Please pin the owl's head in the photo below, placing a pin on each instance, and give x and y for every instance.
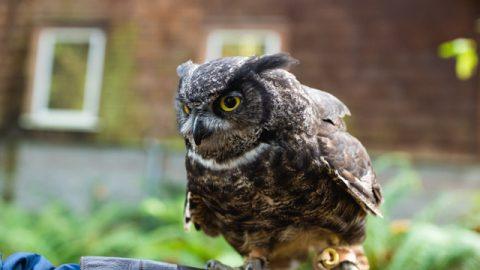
(225, 106)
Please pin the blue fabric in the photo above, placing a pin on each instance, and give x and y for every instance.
(32, 261)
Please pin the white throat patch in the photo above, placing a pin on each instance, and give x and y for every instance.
(246, 158)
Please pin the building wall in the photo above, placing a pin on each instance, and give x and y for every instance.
(79, 176)
(3, 23)
(379, 57)
(11, 47)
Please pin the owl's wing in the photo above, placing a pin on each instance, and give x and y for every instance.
(351, 167)
(327, 106)
(342, 153)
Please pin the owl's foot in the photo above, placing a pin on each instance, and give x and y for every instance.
(342, 258)
(250, 264)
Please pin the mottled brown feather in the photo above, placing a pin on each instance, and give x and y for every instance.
(351, 167)
(310, 186)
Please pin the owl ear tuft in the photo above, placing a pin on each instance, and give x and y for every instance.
(263, 63)
(185, 68)
(273, 61)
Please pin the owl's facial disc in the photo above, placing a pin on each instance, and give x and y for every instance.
(211, 117)
(202, 124)
(224, 126)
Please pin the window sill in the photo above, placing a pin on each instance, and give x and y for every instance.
(60, 121)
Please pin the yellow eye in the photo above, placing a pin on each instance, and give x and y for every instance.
(229, 103)
(186, 109)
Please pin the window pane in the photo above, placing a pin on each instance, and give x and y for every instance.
(68, 76)
(244, 45)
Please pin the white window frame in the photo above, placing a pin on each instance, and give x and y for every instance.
(215, 40)
(40, 115)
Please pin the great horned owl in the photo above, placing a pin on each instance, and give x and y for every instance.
(270, 165)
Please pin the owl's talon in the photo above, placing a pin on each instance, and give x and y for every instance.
(341, 258)
(346, 266)
(216, 265)
(250, 264)
(254, 264)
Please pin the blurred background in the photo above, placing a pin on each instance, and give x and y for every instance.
(91, 163)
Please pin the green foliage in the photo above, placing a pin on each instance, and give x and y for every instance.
(472, 220)
(427, 246)
(465, 53)
(154, 230)
(417, 243)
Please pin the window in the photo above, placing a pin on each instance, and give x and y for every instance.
(67, 79)
(243, 42)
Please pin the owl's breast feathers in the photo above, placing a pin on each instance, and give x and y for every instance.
(283, 188)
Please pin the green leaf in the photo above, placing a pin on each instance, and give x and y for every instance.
(466, 64)
(465, 52)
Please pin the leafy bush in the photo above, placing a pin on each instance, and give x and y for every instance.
(418, 243)
(154, 230)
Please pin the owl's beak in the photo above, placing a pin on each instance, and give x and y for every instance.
(200, 132)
